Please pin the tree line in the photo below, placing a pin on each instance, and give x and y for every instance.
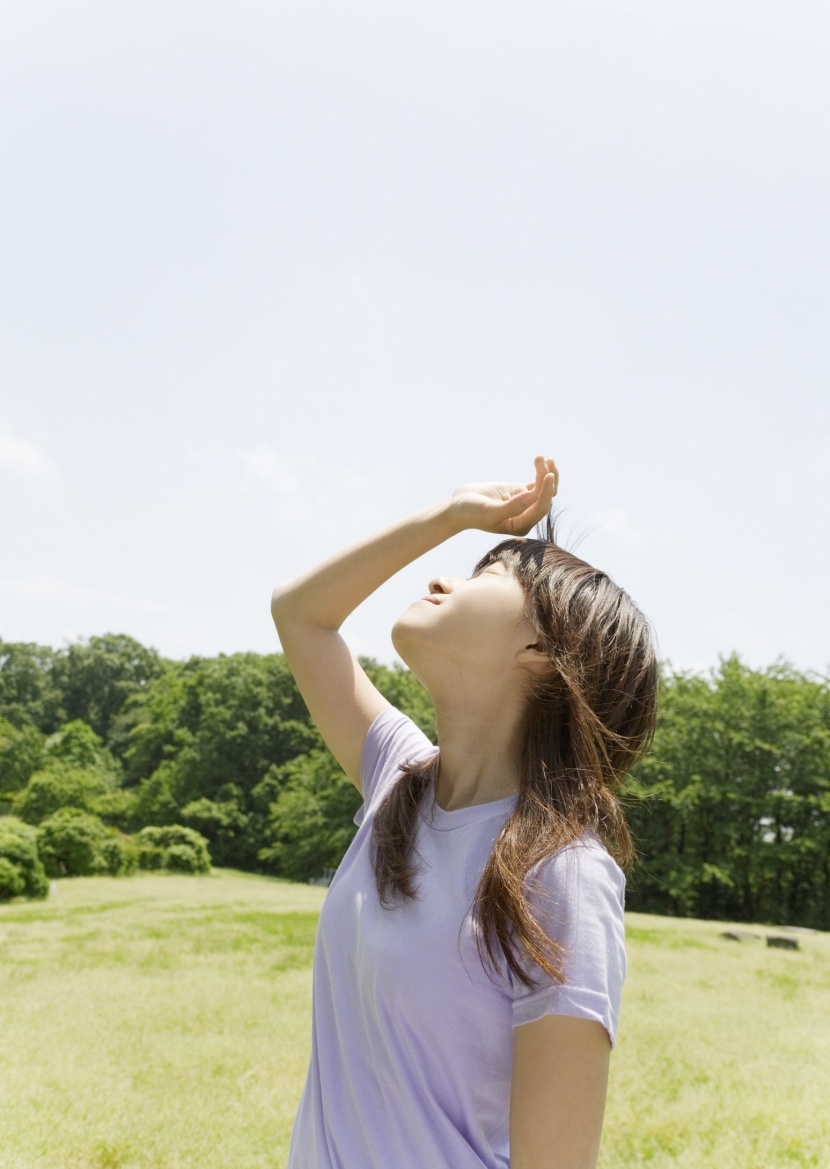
(730, 812)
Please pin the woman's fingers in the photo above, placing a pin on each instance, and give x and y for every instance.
(521, 501)
(531, 506)
(551, 484)
(539, 504)
(543, 467)
(541, 471)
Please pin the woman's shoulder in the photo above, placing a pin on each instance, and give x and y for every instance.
(584, 865)
(392, 740)
(394, 736)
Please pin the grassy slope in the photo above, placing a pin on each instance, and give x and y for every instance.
(723, 1056)
(163, 1023)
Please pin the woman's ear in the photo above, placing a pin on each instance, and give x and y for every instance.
(533, 657)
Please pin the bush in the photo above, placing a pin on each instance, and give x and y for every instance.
(150, 858)
(58, 786)
(174, 847)
(120, 854)
(74, 843)
(21, 871)
(12, 881)
(181, 859)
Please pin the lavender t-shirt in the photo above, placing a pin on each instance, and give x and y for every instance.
(412, 1043)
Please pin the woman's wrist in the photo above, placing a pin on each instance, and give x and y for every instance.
(447, 518)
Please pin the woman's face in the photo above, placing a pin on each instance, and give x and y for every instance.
(474, 625)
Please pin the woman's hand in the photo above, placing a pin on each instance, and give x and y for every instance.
(510, 509)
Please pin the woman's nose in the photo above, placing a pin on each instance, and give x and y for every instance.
(441, 584)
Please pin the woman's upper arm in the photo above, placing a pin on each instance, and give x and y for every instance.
(557, 1098)
(341, 700)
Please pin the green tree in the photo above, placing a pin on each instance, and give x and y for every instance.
(728, 810)
(116, 808)
(218, 721)
(153, 800)
(204, 736)
(22, 752)
(21, 871)
(98, 676)
(77, 745)
(312, 818)
(224, 825)
(28, 694)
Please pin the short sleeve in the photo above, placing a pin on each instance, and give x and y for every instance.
(578, 896)
(391, 740)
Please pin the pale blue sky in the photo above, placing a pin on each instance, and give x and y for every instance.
(272, 275)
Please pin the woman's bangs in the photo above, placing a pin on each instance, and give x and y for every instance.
(526, 558)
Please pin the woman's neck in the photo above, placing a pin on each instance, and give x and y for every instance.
(480, 749)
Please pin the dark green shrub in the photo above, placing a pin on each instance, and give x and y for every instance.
(119, 853)
(172, 846)
(75, 843)
(181, 859)
(72, 843)
(21, 871)
(150, 857)
(12, 881)
(58, 786)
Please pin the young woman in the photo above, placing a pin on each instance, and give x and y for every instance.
(470, 954)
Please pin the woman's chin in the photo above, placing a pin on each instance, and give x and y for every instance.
(400, 637)
(406, 638)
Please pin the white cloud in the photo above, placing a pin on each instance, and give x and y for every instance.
(23, 458)
(57, 590)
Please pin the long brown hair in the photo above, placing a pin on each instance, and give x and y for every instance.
(589, 719)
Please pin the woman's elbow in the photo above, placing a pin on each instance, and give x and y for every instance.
(281, 603)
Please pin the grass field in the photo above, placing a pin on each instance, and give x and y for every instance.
(163, 1023)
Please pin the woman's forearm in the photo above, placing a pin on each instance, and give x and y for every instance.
(325, 596)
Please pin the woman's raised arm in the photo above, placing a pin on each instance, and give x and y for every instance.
(309, 611)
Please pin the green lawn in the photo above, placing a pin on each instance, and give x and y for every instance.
(163, 1023)
(723, 1053)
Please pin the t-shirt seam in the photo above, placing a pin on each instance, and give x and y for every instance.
(555, 988)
